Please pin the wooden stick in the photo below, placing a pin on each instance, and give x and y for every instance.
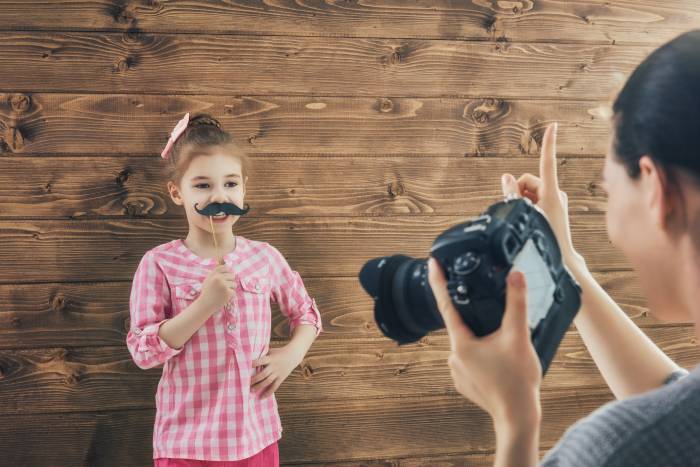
(219, 259)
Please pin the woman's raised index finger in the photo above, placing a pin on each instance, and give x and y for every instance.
(548, 157)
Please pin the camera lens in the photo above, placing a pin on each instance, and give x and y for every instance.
(405, 308)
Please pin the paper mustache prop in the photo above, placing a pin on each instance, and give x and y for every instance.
(213, 209)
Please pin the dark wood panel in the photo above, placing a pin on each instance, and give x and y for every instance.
(76, 124)
(282, 65)
(82, 187)
(91, 378)
(74, 315)
(618, 21)
(314, 432)
(100, 250)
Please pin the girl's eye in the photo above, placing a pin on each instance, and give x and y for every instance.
(206, 185)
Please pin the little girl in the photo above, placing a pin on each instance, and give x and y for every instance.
(201, 307)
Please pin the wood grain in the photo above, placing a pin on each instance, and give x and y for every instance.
(91, 378)
(97, 314)
(103, 125)
(137, 62)
(95, 187)
(315, 432)
(103, 250)
(594, 21)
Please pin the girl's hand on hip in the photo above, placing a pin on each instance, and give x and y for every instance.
(545, 193)
(277, 365)
(499, 372)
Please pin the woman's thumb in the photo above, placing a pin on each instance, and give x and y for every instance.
(516, 301)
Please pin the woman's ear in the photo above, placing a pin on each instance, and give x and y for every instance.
(175, 195)
(660, 197)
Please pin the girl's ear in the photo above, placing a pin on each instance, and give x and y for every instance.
(175, 195)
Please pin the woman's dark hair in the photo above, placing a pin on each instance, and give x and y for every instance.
(657, 113)
(202, 136)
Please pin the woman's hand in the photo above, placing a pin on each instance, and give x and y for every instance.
(545, 193)
(278, 365)
(499, 372)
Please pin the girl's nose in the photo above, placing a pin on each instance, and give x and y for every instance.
(218, 196)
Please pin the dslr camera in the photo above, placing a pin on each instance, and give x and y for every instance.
(477, 257)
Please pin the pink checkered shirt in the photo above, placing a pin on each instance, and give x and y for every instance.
(204, 407)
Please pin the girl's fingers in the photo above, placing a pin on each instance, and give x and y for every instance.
(548, 157)
(458, 331)
(261, 380)
(270, 390)
(265, 360)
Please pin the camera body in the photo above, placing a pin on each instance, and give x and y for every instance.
(477, 257)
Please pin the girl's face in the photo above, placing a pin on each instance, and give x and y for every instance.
(210, 178)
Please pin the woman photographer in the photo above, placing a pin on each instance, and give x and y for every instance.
(652, 178)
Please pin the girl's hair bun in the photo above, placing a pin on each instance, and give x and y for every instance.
(204, 119)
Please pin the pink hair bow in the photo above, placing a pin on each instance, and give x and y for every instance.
(177, 131)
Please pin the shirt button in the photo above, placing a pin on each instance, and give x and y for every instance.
(257, 287)
(137, 331)
(231, 327)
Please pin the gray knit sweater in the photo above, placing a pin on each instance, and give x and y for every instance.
(658, 428)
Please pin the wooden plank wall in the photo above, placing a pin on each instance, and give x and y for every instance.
(373, 127)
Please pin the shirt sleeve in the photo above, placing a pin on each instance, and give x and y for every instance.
(150, 297)
(289, 293)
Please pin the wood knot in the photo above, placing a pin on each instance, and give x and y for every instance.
(386, 105)
(134, 36)
(307, 371)
(134, 209)
(122, 177)
(122, 66)
(400, 371)
(20, 102)
(123, 14)
(484, 111)
(396, 189)
(591, 187)
(14, 138)
(397, 56)
(251, 139)
(58, 303)
(72, 379)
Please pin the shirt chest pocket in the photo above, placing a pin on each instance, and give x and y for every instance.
(253, 293)
(254, 286)
(184, 294)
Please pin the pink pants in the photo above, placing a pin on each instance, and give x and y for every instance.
(268, 457)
